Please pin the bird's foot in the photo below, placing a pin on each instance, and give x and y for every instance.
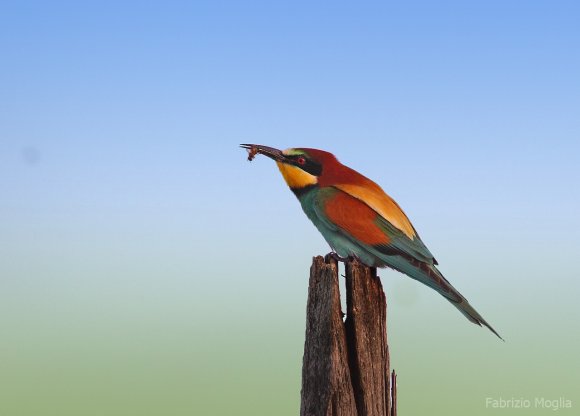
(336, 257)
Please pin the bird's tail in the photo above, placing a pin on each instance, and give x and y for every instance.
(432, 277)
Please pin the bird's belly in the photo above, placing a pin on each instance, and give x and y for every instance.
(345, 247)
(337, 240)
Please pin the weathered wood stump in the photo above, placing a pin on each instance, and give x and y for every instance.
(345, 368)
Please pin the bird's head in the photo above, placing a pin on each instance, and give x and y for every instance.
(301, 167)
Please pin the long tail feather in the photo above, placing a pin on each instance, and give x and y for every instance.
(432, 277)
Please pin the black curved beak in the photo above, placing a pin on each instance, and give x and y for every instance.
(264, 150)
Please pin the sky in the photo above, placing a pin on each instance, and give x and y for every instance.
(147, 268)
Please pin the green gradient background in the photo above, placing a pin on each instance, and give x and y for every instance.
(147, 269)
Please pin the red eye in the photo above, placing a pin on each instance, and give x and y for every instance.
(301, 160)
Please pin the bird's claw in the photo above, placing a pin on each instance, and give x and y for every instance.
(336, 257)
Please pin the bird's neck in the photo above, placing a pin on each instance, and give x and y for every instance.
(301, 192)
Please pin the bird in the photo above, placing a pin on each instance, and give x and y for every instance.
(359, 220)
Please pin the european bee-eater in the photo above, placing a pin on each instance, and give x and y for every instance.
(357, 218)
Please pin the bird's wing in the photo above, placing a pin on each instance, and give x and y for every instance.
(363, 225)
(368, 213)
(341, 212)
(372, 195)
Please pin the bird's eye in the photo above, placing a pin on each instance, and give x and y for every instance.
(301, 160)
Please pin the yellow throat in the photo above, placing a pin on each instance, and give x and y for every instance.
(295, 177)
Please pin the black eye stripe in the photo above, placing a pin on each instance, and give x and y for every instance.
(301, 160)
(307, 165)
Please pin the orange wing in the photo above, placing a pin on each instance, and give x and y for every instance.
(356, 218)
(372, 195)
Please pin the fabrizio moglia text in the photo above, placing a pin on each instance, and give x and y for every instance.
(527, 403)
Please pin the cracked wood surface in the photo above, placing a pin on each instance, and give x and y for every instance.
(346, 363)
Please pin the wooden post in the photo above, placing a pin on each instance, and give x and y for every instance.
(345, 368)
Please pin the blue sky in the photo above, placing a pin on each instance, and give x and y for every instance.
(137, 106)
(119, 170)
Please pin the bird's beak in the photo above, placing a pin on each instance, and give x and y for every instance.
(272, 153)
